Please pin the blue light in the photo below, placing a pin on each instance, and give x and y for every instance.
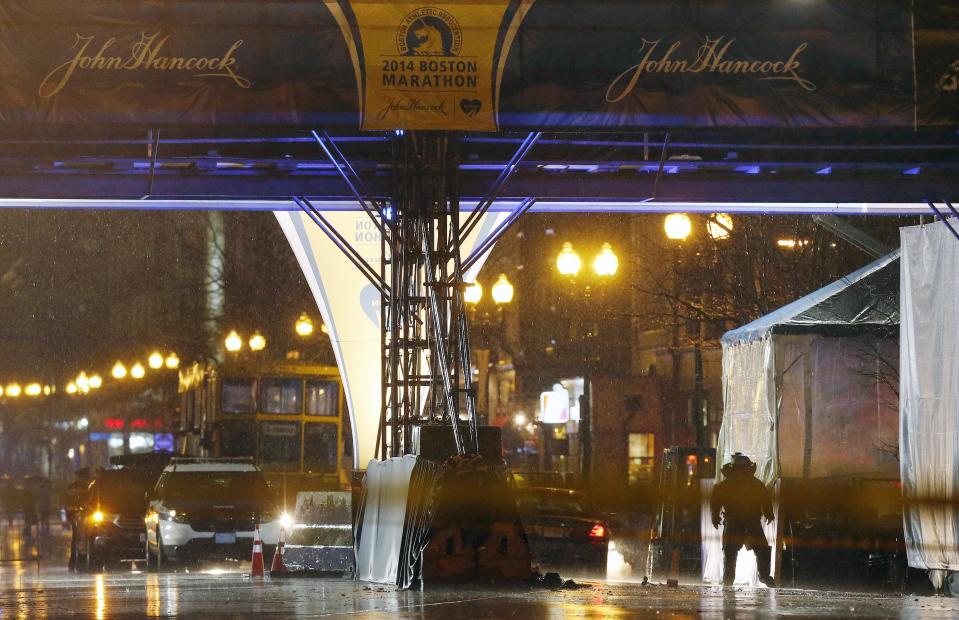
(913, 171)
(748, 169)
(826, 170)
(163, 442)
(399, 132)
(388, 212)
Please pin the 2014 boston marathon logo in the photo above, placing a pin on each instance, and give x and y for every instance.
(428, 43)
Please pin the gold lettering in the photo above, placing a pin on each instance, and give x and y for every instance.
(145, 54)
(54, 81)
(712, 56)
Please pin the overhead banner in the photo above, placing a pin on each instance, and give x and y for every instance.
(482, 65)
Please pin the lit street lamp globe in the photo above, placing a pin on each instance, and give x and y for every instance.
(13, 390)
(719, 226)
(567, 262)
(83, 382)
(95, 382)
(33, 389)
(155, 360)
(606, 262)
(137, 371)
(502, 291)
(119, 371)
(233, 342)
(473, 293)
(71, 388)
(257, 341)
(677, 226)
(304, 325)
(172, 361)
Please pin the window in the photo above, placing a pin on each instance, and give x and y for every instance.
(319, 449)
(281, 395)
(279, 446)
(642, 457)
(322, 398)
(237, 439)
(238, 396)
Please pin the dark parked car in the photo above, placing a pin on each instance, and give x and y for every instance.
(566, 533)
(108, 524)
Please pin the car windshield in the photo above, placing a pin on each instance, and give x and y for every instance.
(552, 503)
(120, 492)
(216, 486)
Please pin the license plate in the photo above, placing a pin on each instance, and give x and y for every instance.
(224, 538)
(143, 537)
(553, 532)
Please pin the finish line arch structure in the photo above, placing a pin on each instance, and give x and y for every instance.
(703, 106)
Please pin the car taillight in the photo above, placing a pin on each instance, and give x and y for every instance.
(599, 532)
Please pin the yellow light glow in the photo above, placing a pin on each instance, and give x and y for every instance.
(519, 419)
(47, 390)
(568, 262)
(137, 371)
(502, 291)
(71, 388)
(677, 226)
(96, 382)
(155, 361)
(172, 361)
(473, 293)
(1, 390)
(97, 517)
(119, 371)
(257, 341)
(233, 342)
(719, 226)
(33, 389)
(13, 390)
(83, 382)
(304, 325)
(606, 262)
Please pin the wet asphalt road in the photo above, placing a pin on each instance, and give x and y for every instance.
(48, 590)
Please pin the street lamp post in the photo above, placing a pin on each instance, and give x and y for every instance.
(678, 227)
(605, 265)
(502, 293)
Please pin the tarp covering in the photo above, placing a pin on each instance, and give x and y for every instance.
(929, 396)
(395, 519)
(865, 300)
(482, 65)
(749, 407)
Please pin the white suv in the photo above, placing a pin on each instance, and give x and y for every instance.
(206, 508)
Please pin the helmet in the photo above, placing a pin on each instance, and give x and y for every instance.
(739, 463)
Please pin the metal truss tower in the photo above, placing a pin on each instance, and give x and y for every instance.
(426, 353)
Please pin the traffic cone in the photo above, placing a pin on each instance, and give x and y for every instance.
(278, 567)
(256, 570)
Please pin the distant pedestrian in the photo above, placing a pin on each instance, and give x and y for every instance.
(742, 500)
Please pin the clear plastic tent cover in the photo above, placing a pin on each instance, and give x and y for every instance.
(929, 396)
(865, 300)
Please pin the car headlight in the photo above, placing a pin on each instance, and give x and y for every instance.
(172, 515)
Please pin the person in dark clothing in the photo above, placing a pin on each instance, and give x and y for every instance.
(742, 500)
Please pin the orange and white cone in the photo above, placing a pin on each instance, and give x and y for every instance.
(278, 567)
(256, 570)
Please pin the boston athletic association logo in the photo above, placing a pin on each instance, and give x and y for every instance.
(429, 31)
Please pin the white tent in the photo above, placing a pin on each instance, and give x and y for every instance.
(808, 389)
